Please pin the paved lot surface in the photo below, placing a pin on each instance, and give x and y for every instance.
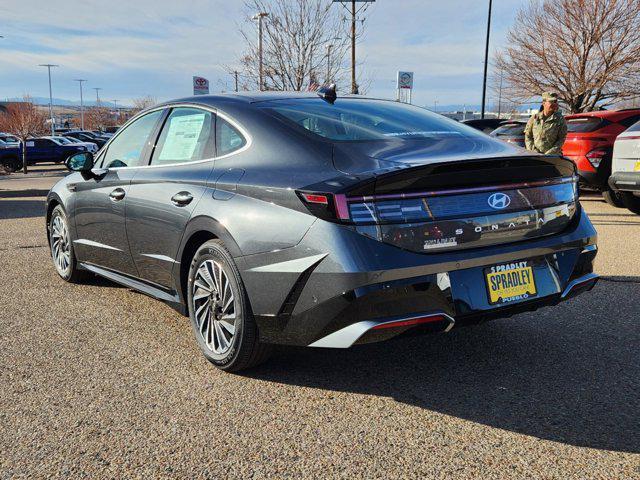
(100, 381)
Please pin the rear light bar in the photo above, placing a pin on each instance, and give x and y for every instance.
(426, 206)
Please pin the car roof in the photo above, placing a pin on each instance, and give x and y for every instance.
(611, 115)
(256, 97)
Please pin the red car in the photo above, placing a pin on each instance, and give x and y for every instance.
(589, 144)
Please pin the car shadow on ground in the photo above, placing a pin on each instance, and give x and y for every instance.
(569, 374)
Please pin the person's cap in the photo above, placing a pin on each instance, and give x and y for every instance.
(549, 97)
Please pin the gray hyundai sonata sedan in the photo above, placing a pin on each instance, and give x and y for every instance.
(306, 219)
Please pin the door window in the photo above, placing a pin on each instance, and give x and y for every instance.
(187, 136)
(126, 150)
(228, 138)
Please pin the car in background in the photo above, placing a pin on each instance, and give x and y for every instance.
(45, 149)
(307, 219)
(10, 156)
(625, 168)
(86, 136)
(91, 146)
(9, 139)
(589, 143)
(486, 125)
(511, 131)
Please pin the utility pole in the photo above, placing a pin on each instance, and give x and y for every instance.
(115, 103)
(354, 87)
(435, 106)
(329, 47)
(49, 65)
(97, 89)
(79, 80)
(500, 94)
(259, 16)
(486, 62)
(235, 74)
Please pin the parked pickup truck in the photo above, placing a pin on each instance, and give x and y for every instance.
(38, 150)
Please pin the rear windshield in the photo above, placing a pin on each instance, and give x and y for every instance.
(584, 124)
(359, 119)
(510, 129)
(634, 128)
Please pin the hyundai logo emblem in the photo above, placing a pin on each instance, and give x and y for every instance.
(499, 201)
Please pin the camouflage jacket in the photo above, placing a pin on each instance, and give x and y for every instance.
(545, 134)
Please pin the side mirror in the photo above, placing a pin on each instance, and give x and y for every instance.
(80, 162)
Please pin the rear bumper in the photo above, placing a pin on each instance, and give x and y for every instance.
(337, 286)
(625, 181)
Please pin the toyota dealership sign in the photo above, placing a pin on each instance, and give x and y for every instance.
(200, 86)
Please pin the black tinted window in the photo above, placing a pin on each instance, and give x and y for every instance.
(584, 124)
(634, 128)
(627, 122)
(186, 137)
(510, 129)
(359, 119)
(228, 138)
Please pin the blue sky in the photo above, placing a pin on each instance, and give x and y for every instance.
(154, 47)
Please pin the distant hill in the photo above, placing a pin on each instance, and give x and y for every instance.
(67, 103)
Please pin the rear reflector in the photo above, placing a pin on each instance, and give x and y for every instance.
(409, 322)
(315, 198)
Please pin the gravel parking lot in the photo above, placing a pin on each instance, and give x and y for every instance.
(100, 381)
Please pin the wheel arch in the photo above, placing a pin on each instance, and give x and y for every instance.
(52, 202)
(198, 231)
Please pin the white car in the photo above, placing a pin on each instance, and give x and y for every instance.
(91, 147)
(625, 168)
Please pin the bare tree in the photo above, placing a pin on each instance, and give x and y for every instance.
(143, 103)
(304, 43)
(23, 120)
(96, 118)
(588, 51)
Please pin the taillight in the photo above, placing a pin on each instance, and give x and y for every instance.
(595, 157)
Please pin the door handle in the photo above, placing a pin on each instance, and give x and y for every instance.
(181, 199)
(117, 195)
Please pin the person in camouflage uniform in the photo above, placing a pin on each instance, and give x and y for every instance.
(546, 130)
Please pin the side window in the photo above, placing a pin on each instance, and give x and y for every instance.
(126, 149)
(627, 122)
(187, 136)
(228, 138)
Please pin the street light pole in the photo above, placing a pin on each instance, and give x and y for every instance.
(259, 16)
(49, 65)
(329, 47)
(354, 87)
(115, 107)
(486, 63)
(79, 80)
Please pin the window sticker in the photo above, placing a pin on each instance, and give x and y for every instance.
(182, 137)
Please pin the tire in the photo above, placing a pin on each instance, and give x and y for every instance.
(631, 202)
(11, 164)
(222, 323)
(61, 247)
(612, 198)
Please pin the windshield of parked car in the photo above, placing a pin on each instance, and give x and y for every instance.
(61, 140)
(360, 119)
(583, 124)
(510, 129)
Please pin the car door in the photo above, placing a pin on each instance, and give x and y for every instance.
(100, 201)
(163, 195)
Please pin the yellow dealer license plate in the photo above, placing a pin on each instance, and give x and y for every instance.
(510, 282)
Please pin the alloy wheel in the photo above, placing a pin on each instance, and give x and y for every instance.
(214, 306)
(60, 249)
